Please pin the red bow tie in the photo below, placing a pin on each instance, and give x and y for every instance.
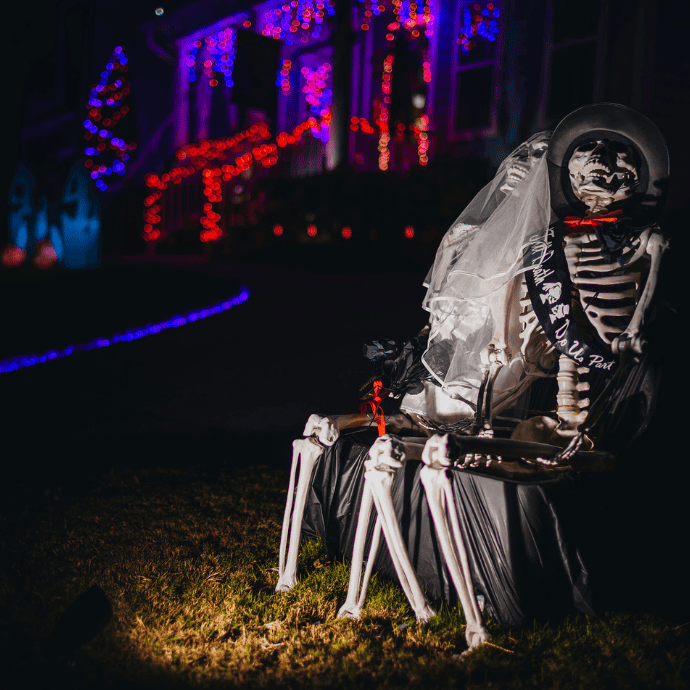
(574, 223)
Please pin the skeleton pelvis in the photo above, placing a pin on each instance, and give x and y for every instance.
(544, 429)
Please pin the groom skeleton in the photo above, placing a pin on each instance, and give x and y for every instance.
(556, 259)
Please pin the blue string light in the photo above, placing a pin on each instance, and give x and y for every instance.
(478, 22)
(24, 361)
(220, 47)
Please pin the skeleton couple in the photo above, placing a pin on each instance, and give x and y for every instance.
(547, 274)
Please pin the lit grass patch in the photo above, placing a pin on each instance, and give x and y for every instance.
(188, 561)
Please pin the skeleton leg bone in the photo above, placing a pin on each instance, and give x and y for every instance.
(353, 603)
(319, 432)
(306, 451)
(439, 496)
(387, 455)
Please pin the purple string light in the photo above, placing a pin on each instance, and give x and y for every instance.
(24, 361)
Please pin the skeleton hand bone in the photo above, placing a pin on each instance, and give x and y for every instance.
(629, 342)
(322, 428)
(496, 352)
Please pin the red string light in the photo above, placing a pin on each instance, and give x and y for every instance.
(420, 130)
(204, 156)
(382, 122)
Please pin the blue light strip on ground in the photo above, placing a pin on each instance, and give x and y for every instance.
(23, 361)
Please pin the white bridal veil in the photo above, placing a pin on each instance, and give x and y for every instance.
(480, 254)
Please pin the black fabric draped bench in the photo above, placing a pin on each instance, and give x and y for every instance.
(522, 536)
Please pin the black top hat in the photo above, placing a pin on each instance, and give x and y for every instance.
(616, 123)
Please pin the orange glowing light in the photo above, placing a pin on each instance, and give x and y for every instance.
(12, 256)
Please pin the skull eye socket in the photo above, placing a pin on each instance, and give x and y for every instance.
(618, 147)
(587, 147)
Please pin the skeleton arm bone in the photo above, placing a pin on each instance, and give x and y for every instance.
(306, 451)
(329, 427)
(502, 304)
(631, 338)
(319, 432)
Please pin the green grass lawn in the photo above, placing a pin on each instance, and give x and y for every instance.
(188, 559)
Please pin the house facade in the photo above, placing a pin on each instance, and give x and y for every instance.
(476, 77)
(394, 87)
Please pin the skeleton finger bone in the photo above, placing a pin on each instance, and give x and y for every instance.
(305, 453)
(439, 496)
(511, 448)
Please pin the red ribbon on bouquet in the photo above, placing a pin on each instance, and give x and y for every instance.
(375, 404)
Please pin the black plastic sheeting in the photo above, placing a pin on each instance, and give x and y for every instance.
(522, 537)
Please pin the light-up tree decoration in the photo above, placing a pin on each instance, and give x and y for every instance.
(106, 153)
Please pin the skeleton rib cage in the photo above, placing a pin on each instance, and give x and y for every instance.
(608, 292)
(604, 298)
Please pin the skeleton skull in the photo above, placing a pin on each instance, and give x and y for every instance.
(603, 172)
(522, 159)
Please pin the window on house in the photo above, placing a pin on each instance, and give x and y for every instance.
(475, 68)
(573, 52)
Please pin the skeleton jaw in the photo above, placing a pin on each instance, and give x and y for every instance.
(598, 190)
(516, 174)
(521, 162)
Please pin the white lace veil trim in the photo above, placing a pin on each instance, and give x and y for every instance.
(481, 252)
